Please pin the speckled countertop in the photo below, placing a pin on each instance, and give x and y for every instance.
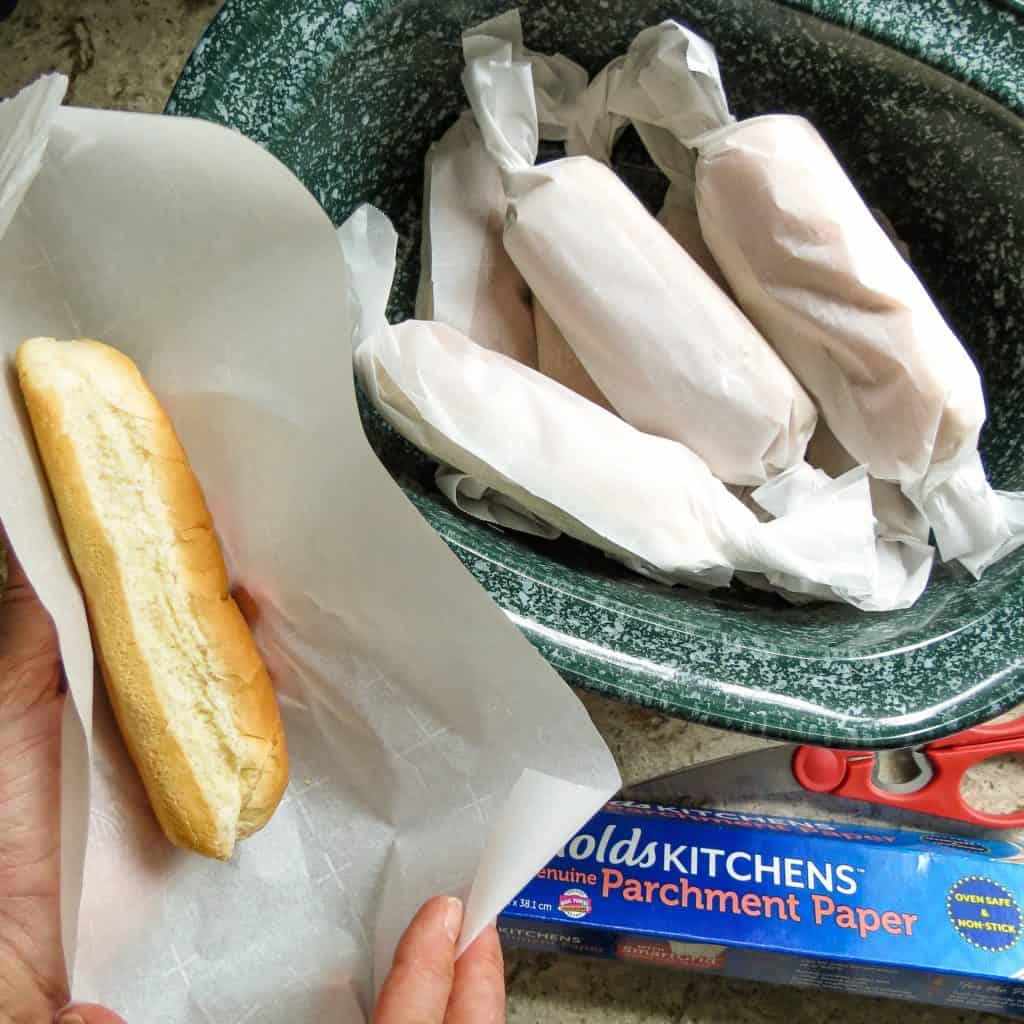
(126, 54)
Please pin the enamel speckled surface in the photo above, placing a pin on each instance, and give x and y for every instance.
(350, 94)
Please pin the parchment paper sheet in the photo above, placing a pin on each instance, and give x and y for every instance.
(432, 748)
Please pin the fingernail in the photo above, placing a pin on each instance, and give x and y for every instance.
(70, 1018)
(453, 918)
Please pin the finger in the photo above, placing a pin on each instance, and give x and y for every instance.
(247, 604)
(87, 1013)
(29, 656)
(16, 579)
(420, 982)
(478, 993)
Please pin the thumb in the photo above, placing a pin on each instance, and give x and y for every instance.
(420, 983)
(87, 1013)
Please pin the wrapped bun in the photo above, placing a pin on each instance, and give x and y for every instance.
(661, 341)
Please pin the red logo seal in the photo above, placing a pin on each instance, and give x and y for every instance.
(574, 903)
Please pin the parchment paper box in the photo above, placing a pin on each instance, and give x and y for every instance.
(910, 915)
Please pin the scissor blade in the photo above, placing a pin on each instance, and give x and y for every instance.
(759, 773)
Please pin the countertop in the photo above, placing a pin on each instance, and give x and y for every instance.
(127, 54)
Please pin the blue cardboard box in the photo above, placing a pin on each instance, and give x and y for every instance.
(911, 915)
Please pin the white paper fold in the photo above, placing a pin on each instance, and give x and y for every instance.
(668, 349)
(653, 93)
(896, 517)
(466, 278)
(816, 272)
(903, 560)
(478, 500)
(427, 737)
(558, 82)
(596, 128)
(25, 123)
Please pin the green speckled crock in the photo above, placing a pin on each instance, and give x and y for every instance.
(349, 95)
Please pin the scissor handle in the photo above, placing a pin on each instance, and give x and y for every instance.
(849, 774)
(820, 769)
(1013, 729)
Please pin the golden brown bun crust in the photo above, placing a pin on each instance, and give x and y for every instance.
(173, 646)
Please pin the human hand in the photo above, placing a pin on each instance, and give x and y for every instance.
(425, 986)
(428, 986)
(33, 982)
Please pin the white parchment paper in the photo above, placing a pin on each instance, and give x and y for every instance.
(432, 748)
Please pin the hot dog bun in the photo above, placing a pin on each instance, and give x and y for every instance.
(190, 691)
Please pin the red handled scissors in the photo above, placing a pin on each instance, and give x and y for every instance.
(935, 789)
